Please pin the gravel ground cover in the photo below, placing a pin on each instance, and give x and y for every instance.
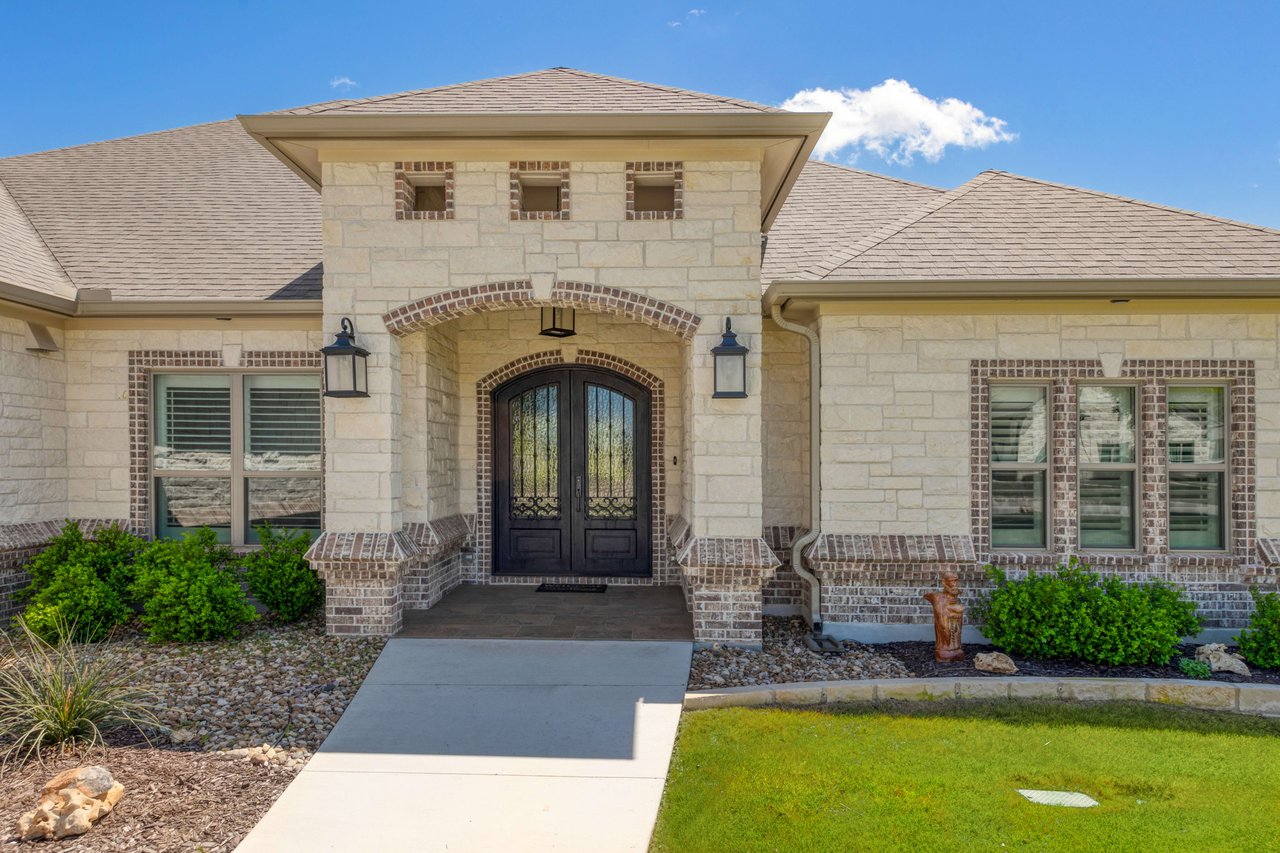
(919, 658)
(785, 658)
(242, 717)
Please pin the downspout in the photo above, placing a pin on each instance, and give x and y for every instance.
(815, 467)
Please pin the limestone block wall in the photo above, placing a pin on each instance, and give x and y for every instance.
(97, 393)
(706, 262)
(897, 454)
(785, 417)
(33, 427)
(432, 399)
(895, 396)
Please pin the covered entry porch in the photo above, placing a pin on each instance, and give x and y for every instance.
(526, 459)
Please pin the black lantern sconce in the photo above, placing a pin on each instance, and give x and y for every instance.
(346, 366)
(558, 322)
(731, 364)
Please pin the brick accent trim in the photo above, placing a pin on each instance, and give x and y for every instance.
(745, 560)
(483, 526)
(142, 363)
(439, 535)
(629, 304)
(505, 295)
(1152, 378)
(675, 167)
(863, 548)
(405, 172)
(539, 166)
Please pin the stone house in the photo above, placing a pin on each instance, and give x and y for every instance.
(540, 267)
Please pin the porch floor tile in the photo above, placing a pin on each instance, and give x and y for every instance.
(475, 612)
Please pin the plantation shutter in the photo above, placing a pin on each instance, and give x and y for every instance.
(283, 420)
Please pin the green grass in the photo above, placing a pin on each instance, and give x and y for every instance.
(943, 776)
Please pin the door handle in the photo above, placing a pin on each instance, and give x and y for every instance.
(577, 493)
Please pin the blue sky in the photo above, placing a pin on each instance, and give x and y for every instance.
(1175, 102)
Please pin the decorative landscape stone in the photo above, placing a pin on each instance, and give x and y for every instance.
(71, 803)
(1221, 660)
(997, 662)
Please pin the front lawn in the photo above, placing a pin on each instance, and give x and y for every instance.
(944, 776)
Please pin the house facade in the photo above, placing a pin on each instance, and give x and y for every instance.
(540, 269)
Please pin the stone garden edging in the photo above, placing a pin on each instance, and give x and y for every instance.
(1259, 699)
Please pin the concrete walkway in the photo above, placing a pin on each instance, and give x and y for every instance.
(493, 745)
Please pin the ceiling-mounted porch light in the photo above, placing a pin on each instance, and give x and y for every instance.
(731, 364)
(346, 366)
(558, 322)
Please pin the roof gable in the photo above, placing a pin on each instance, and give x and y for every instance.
(1004, 226)
(830, 208)
(553, 90)
(201, 212)
(25, 260)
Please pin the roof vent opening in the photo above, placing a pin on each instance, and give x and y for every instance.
(540, 192)
(424, 190)
(655, 190)
(539, 189)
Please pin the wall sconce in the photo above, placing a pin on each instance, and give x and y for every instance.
(558, 322)
(731, 364)
(346, 366)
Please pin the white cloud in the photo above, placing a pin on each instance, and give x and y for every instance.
(895, 122)
(674, 24)
(344, 83)
(690, 16)
(693, 13)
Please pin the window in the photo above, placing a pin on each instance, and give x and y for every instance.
(233, 451)
(424, 190)
(1019, 466)
(1195, 434)
(539, 190)
(1108, 467)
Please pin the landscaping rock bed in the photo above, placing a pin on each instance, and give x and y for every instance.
(918, 657)
(241, 717)
(786, 659)
(173, 801)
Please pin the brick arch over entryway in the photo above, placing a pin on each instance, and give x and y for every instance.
(662, 567)
(505, 295)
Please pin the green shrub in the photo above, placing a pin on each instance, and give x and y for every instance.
(1260, 642)
(1076, 614)
(54, 692)
(1192, 668)
(110, 553)
(280, 578)
(81, 581)
(76, 596)
(190, 590)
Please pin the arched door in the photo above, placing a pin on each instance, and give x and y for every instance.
(571, 474)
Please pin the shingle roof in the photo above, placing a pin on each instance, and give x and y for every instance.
(195, 213)
(1003, 226)
(25, 260)
(553, 90)
(831, 208)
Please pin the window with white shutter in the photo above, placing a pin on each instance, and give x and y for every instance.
(232, 452)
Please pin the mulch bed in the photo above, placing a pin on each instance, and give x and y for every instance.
(174, 800)
(918, 657)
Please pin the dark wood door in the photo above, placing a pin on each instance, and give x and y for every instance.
(571, 474)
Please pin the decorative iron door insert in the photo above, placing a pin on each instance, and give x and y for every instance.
(571, 474)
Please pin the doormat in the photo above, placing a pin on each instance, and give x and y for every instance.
(572, 587)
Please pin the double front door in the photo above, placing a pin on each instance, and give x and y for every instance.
(571, 474)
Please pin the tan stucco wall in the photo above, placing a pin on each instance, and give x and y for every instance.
(895, 394)
(97, 363)
(785, 399)
(33, 428)
(707, 262)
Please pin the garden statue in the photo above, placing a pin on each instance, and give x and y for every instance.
(948, 619)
